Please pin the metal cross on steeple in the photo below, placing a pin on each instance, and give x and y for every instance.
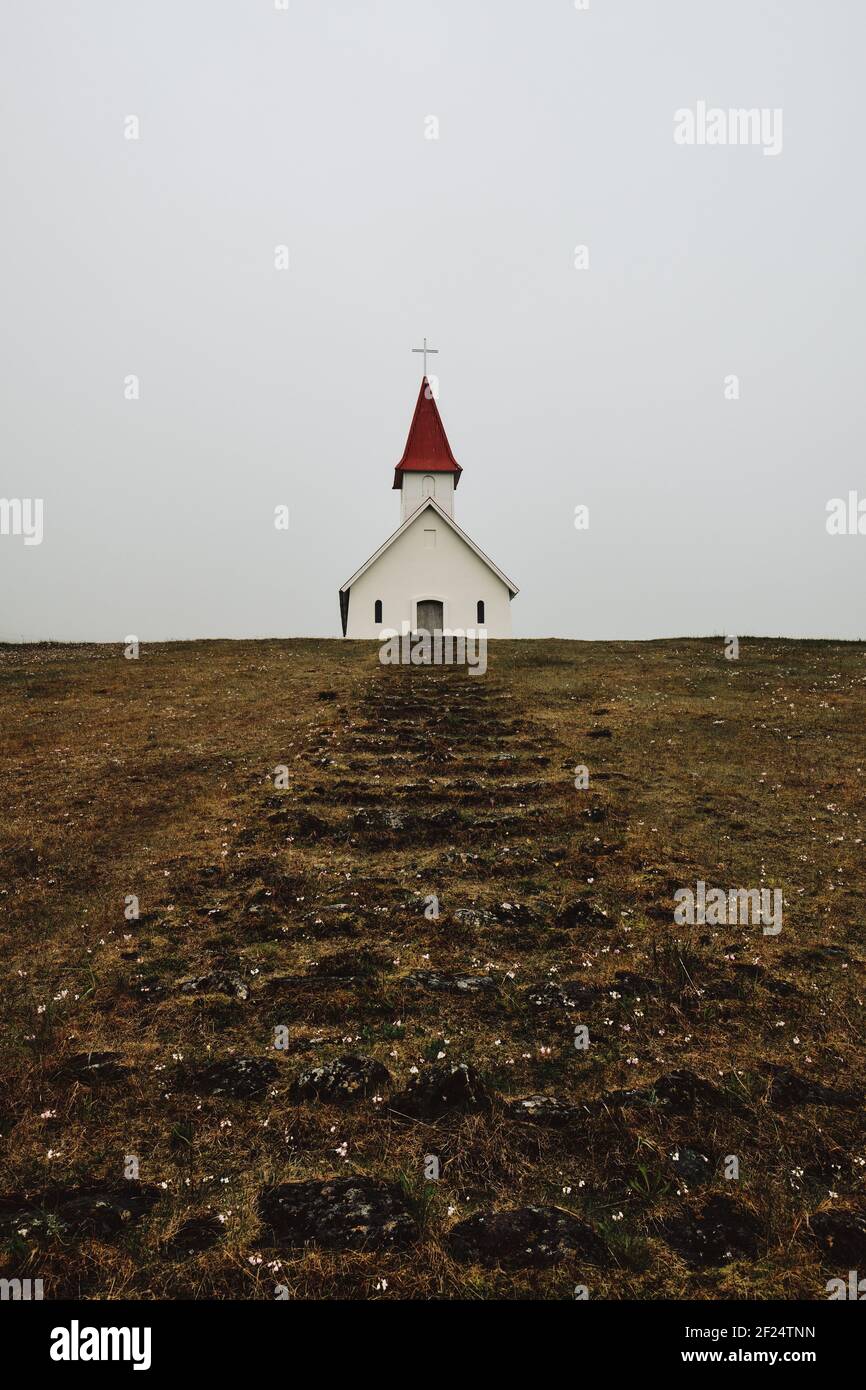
(425, 349)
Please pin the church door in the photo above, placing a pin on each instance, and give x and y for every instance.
(430, 617)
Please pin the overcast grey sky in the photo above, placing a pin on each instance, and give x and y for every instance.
(558, 386)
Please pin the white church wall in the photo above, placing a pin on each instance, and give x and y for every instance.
(417, 486)
(412, 569)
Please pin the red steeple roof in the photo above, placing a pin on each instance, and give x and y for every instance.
(427, 448)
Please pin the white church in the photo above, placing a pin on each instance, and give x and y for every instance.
(429, 574)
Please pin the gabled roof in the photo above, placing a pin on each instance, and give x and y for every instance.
(427, 448)
(430, 502)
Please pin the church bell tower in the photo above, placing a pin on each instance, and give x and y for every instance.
(428, 468)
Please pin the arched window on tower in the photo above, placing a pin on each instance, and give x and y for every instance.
(479, 611)
(377, 611)
(428, 488)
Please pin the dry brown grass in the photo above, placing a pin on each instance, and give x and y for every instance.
(155, 778)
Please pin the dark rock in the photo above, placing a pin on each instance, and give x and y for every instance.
(543, 1110)
(341, 1081)
(344, 965)
(582, 912)
(826, 1165)
(681, 1090)
(378, 820)
(788, 1088)
(243, 1078)
(783, 988)
(23, 1214)
(598, 847)
(714, 986)
(217, 982)
(561, 994)
(525, 1236)
(149, 987)
(717, 1230)
(384, 824)
(326, 922)
(91, 1210)
(500, 765)
(196, 1234)
(418, 903)
(341, 1214)
(600, 733)
(821, 955)
(841, 1234)
(448, 982)
(524, 914)
(269, 887)
(677, 1092)
(93, 1068)
(326, 695)
(104, 1211)
(300, 825)
(474, 917)
(442, 1088)
(691, 1167)
(445, 819)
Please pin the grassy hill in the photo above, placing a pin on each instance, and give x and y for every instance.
(425, 890)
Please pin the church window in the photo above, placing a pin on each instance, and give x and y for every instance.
(479, 611)
(429, 485)
(377, 611)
